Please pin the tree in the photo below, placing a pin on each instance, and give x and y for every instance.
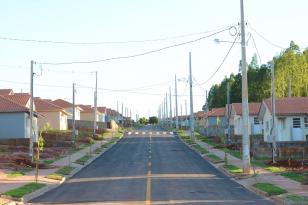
(143, 121)
(153, 120)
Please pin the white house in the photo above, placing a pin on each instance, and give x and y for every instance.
(236, 118)
(68, 107)
(291, 119)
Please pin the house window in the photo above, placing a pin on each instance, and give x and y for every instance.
(267, 126)
(296, 122)
(306, 122)
(256, 121)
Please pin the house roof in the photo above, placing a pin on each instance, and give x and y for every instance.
(253, 108)
(289, 106)
(87, 108)
(6, 91)
(42, 105)
(217, 112)
(199, 114)
(101, 109)
(21, 99)
(7, 105)
(62, 103)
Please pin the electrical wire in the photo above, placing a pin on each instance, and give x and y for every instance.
(107, 42)
(102, 90)
(257, 50)
(265, 39)
(222, 62)
(135, 55)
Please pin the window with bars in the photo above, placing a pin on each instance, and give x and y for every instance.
(306, 122)
(296, 122)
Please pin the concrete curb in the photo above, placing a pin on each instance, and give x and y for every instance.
(273, 198)
(49, 187)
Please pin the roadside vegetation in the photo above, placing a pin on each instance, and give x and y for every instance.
(23, 190)
(270, 189)
(59, 174)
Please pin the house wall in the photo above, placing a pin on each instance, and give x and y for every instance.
(70, 111)
(13, 126)
(88, 116)
(57, 120)
(284, 129)
(253, 129)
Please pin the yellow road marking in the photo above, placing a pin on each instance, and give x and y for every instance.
(148, 192)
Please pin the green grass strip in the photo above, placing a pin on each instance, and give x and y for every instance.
(214, 157)
(83, 159)
(296, 198)
(294, 176)
(270, 189)
(233, 169)
(275, 169)
(15, 174)
(23, 190)
(65, 170)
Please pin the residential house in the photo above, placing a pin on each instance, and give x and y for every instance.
(68, 107)
(15, 118)
(52, 114)
(87, 113)
(199, 119)
(102, 111)
(236, 118)
(291, 119)
(6, 92)
(216, 122)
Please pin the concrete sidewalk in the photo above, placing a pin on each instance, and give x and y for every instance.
(263, 175)
(8, 183)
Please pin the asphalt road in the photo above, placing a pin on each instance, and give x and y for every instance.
(150, 168)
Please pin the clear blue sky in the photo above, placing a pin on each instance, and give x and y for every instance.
(101, 20)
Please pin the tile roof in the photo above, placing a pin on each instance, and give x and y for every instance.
(21, 99)
(253, 108)
(217, 112)
(85, 108)
(42, 105)
(7, 105)
(289, 106)
(6, 91)
(199, 114)
(62, 103)
(101, 109)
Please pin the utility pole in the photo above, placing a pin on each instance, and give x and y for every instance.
(186, 114)
(95, 106)
(192, 118)
(207, 115)
(117, 112)
(181, 118)
(31, 112)
(245, 107)
(170, 103)
(273, 130)
(122, 121)
(167, 113)
(229, 113)
(73, 124)
(176, 105)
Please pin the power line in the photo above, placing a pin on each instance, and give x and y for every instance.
(255, 45)
(106, 42)
(268, 41)
(88, 87)
(222, 62)
(135, 55)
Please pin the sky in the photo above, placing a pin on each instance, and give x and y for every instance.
(140, 83)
